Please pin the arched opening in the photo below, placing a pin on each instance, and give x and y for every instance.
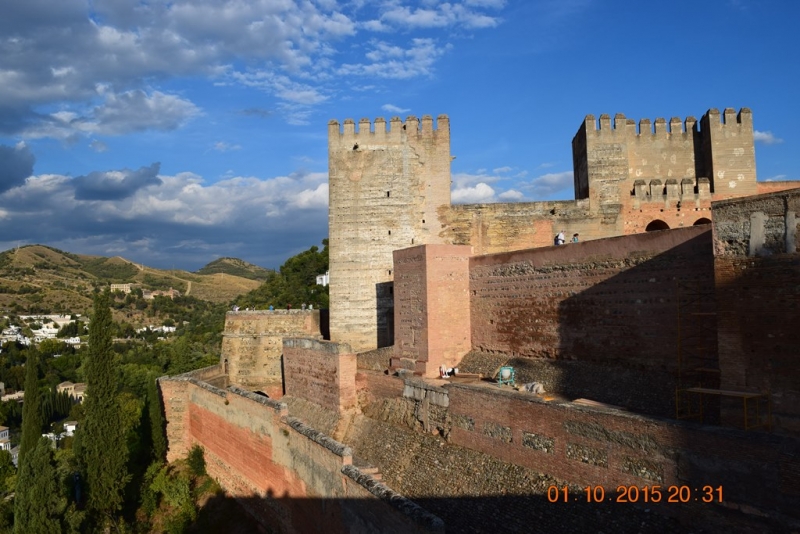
(658, 224)
(702, 220)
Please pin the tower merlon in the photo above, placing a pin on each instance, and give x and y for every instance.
(713, 118)
(377, 130)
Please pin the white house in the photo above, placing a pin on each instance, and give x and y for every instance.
(5, 442)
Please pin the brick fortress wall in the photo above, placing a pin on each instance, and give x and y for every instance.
(757, 271)
(562, 313)
(287, 475)
(497, 437)
(252, 344)
(664, 173)
(320, 372)
(432, 319)
(610, 300)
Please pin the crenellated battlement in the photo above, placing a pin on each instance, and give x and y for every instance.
(376, 131)
(728, 118)
(645, 127)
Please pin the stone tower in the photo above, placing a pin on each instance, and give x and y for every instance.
(388, 189)
(615, 165)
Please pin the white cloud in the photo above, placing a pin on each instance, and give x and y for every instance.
(57, 56)
(391, 108)
(98, 146)
(477, 194)
(461, 180)
(766, 137)
(511, 196)
(549, 184)
(144, 214)
(394, 62)
(497, 4)
(222, 146)
(444, 15)
(118, 114)
(500, 170)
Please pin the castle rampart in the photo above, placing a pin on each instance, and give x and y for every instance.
(390, 189)
(287, 475)
(252, 344)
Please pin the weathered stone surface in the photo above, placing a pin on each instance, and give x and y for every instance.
(399, 180)
(252, 343)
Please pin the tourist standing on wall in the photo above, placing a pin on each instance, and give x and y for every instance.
(560, 239)
(574, 238)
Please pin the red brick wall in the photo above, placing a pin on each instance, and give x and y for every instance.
(447, 279)
(176, 413)
(432, 315)
(604, 300)
(410, 303)
(601, 447)
(287, 475)
(376, 386)
(321, 372)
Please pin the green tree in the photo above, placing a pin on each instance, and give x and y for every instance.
(102, 446)
(37, 504)
(7, 470)
(31, 407)
(295, 284)
(156, 421)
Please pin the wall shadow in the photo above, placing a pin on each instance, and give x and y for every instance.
(511, 513)
(384, 299)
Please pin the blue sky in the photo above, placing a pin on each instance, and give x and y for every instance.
(176, 132)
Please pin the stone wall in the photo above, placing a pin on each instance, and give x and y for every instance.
(320, 372)
(757, 272)
(287, 475)
(386, 187)
(679, 160)
(252, 344)
(480, 455)
(589, 446)
(626, 180)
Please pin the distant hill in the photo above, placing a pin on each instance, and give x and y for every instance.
(38, 278)
(236, 267)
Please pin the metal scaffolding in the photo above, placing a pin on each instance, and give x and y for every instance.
(697, 392)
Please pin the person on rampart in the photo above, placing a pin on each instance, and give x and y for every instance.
(574, 238)
(560, 239)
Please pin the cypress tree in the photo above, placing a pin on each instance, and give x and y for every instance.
(103, 447)
(156, 420)
(31, 406)
(37, 504)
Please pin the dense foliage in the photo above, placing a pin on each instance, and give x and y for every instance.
(112, 476)
(38, 506)
(294, 284)
(31, 411)
(235, 267)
